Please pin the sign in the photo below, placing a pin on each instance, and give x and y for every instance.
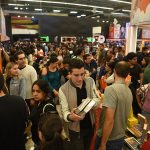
(44, 38)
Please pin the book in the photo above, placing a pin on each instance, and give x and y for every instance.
(86, 105)
(132, 143)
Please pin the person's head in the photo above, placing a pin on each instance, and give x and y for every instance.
(12, 69)
(53, 62)
(145, 50)
(132, 58)
(122, 69)
(66, 62)
(1, 82)
(87, 58)
(40, 90)
(49, 130)
(94, 55)
(20, 58)
(80, 52)
(145, 61)
(77, 71)
(110, 66)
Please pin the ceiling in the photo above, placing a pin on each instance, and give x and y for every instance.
(94, 9)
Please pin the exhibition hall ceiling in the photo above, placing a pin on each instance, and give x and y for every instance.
(94, 9)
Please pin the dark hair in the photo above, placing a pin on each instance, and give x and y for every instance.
(52, 60)
(50, 126)
(43, 85)
(131, 55)
(147, 60)
(144, 48)
(85, 56)
(111, 64)
(78, 51)
(66, 60)
(75, 63)
(18, 53)
(122, 69)
(1, 81)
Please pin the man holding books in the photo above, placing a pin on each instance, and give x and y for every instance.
(80, 119)
(115, 111)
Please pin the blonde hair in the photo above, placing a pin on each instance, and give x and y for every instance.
(9, 66)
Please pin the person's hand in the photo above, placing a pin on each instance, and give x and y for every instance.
(102, 147)
(55, 92)
(75, 117)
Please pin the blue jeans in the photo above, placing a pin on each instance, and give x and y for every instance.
(111, 145)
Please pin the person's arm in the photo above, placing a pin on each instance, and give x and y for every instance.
(107, 127)
(141, 79)
(6, 56)
(66, 113)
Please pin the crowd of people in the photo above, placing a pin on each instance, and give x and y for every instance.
(45, 83)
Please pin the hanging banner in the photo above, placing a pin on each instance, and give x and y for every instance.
(140, 12)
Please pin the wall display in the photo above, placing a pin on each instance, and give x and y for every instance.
(44, 38)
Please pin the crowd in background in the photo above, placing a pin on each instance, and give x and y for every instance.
(30, 67)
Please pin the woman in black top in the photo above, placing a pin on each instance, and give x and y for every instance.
(43, 104)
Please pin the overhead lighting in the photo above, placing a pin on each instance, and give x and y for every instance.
(16, 8)
(117, 13)
(32, 17)
(18, 16)
(65, 3)
(25, 16)
(38, 9)
(119, 1)
(56, 11)
(73, 12)
(21, 8)
(93, 17)
(83, 15)
(97, 11)
(26, 8)
(124, 10)
(97, 16)
(107, 21)
(78, 16)
(103, 21)
(15, 4)
(97, 20)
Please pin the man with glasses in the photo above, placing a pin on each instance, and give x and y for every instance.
(28, 72)
(71, 95)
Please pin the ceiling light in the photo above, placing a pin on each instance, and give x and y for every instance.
(120, 1)
(97, 16)
(83, 15)
(21, 8)
(26, 8)
(15, 4)
(97, 11)
(32, 16)
(107, 21)
(117, 13)
(38, 9)
(97, 20)
(124, 10)
(56, 11)
(18, 16)
(65, 3)
(16, 8)
(73, 12)
(78, 16)
(103, 21)
(93, 17)
(25, 16)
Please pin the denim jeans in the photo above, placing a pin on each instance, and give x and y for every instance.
(111, 145)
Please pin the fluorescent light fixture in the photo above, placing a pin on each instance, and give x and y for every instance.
(93, 17)
(16, 8)
(120, 1)
(117, 13)
(124, 10)
(25, 16)
(32, 17)
(18, 16)
(73, 12)
(78, 16)
(26, 8)
(83, 15)
(97, 11)
(103, 21)
(107, 21)
(38, 9)
(97, 16)
(65, 3)
(97, 20)
(21, 8)
(15, 4)
(56, 11)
